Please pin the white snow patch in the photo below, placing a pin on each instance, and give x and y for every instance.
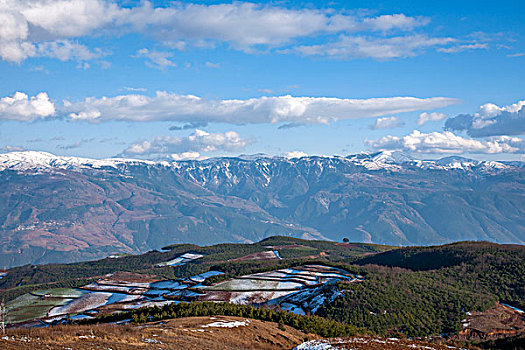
(227, 324)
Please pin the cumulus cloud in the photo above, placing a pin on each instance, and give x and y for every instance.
(273, 109)
(387, 123)
(26, 24)
(245, 25)
(198, 142)
(396, 21)
(447, 142)
(430, 117)
(65, 50)
(24, 108)
(295, 154)
(491, 120)
(185, 156)
(156, 59)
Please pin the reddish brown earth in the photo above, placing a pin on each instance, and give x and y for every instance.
(498, 321)
(267, 255)
(128, 277)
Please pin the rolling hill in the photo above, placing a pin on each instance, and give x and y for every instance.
(457, 293)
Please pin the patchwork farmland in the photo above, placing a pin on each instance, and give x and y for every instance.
(301, 289)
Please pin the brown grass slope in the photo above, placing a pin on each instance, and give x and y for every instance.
(185, 333)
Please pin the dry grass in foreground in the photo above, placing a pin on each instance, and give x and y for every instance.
(220, 332)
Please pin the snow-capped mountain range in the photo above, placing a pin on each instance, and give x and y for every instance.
(387, 160)
(57, 209)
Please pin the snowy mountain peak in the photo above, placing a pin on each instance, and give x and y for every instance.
(35, 160)
(392, 157)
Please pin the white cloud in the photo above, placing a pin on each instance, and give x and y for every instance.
(24, 108)
(66, 51)
(243, 24)
(464, 47)
(295, 154)
(156, 59)
(373, 47)
(185, 156)
(65, 18)
(491, 120)
(387, 123)
(190, 146)
(396, 21)
(447, 142)
(27, 24)
(212, 65)
(430, 117)
(272, 109)
(134, 89)
(9, 148)
(24, 23)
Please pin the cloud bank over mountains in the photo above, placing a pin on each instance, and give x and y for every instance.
(493, 128)
(495, 124)
(190, 147)
(50, 28)
(491, 120)
(446, 143)
(166, 106)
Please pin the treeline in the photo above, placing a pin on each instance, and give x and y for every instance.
(333, 251)
(308, 324)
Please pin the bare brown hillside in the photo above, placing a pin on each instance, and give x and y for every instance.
(220, 332)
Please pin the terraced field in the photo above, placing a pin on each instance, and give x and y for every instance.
(301, 289)
(39, 304)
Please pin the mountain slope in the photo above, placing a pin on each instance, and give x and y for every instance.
(69, 209)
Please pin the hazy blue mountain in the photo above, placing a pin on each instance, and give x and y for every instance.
(56, 209)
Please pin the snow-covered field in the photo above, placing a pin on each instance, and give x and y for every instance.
(301, 289)
(181, 260)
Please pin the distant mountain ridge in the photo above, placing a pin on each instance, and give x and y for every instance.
(27, 160)
(57, 209)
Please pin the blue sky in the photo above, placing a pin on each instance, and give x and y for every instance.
(184, 80)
